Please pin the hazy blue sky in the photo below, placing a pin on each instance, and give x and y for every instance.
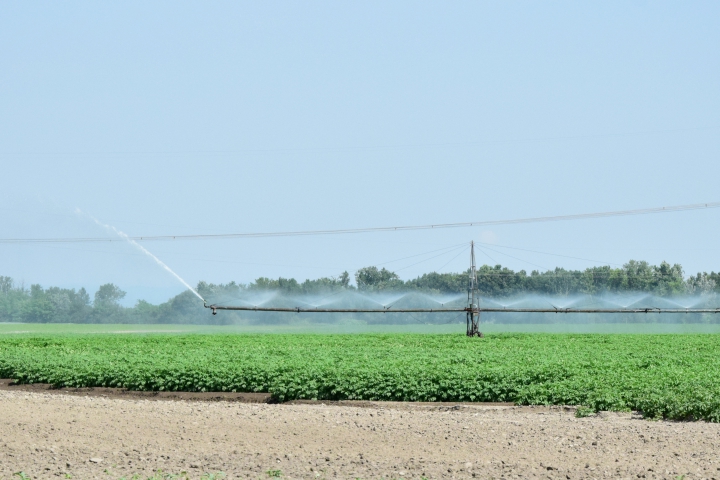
(205, 117)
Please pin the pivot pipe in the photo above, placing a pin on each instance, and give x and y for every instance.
(469, 310)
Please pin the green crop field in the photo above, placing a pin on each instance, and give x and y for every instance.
(351, 327)
(663, 376)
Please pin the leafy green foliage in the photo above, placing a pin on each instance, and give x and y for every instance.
(108, 295)
(663, 376)
(212, 476)
(372, 279)
(583, 411)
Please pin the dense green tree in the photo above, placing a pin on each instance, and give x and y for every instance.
(6, 285)
(372, 279)
(211, 291)
(701, 284)
(108, 295)
(12, 300)
(292, 286)
(106, 306)
(715, 277)
(499, 281)
(38, 308)
(439, 282)
(68, 305)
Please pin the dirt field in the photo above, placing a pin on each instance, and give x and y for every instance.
(51, 435)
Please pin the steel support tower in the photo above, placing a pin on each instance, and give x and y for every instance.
(473, 309)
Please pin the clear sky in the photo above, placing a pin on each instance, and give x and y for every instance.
(211, 117)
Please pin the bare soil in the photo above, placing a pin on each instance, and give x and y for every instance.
(105, 433)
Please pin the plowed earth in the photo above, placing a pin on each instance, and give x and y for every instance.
(105, 434)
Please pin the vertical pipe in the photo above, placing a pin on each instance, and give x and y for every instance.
(473, 314)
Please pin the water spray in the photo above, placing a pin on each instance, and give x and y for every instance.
(132, 242)
(473, 309)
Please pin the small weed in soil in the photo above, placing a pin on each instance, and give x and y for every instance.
(584, 412)
(160, 475)
(212, 476)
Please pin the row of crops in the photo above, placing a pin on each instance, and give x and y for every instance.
(663, 376)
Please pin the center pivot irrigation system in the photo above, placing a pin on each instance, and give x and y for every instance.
(472, 309)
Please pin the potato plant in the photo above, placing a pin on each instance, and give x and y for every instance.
(662, 376)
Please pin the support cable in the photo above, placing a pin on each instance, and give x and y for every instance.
(480, 223)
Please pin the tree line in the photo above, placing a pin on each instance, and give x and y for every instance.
(499, 281)
(62, 305)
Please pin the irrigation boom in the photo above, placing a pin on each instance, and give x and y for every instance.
(464, 309)
(473, 308)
